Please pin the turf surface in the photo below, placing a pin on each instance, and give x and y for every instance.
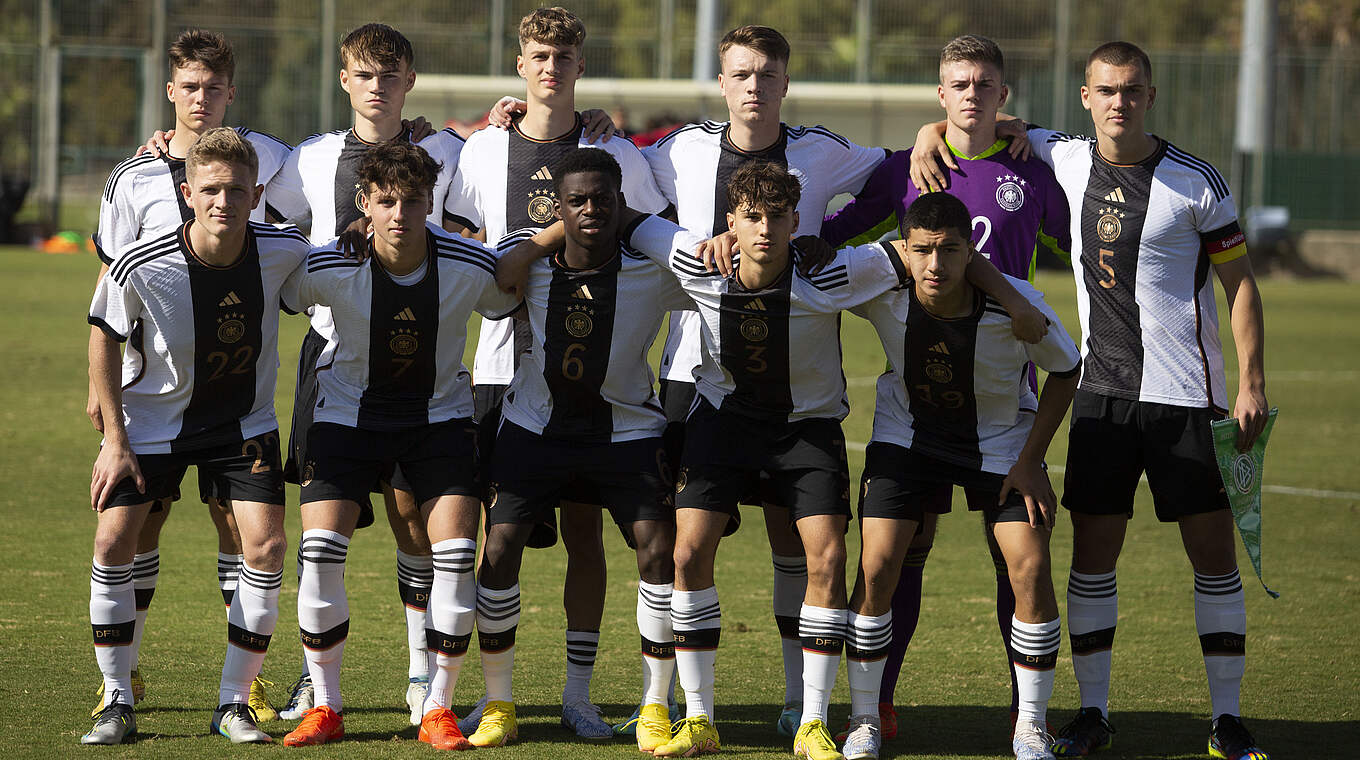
(1301, 695)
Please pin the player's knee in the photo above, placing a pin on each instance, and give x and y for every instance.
(113, 546)
(826, 564)
(655, 561)
(267, 554)
(1029, 569)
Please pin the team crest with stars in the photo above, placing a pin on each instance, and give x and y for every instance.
(404, 341)
(1010, 194)
(230, 328)
(540, 209)
(1108, 226)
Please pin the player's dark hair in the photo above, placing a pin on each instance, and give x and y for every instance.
(972, 48)
(587, 160)
(764, 186)
(398, 166)
(222, 144)
(1120, 54)
(207, 48)
(377, 44)
(552, 26)
(762, 39)
(936, 212)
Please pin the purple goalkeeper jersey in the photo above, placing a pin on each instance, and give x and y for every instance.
(1016, 206)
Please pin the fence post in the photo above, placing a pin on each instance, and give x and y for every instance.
(665, 62)
(1062, 60)
(1255, 94)
(864, 13)
(705, 59)
(47, 188)
(496, 24)
(153, 72)
(329, 67)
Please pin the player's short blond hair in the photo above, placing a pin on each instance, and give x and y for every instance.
(225, 145)
(972, 48)
(1120, 54)
(763, 39)
(377, 44)
(552, 26)
(210, 49)
(764, 186)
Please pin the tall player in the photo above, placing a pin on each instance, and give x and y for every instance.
(956, 408)
(1152, 221)
(395, 395)
(1016, 206)
(319, 185)
(143, 196)
(504, 184)
(197, 306)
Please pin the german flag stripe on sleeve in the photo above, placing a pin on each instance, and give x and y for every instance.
(1225, 243)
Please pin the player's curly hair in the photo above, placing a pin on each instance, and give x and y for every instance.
(936, 212)
(586, 160)
(377, 44)
(398, 166)
(222, 144)
(762, 39)
(972, 48)
(764, 185)
(207, 48)
(1120, 54)
(552, 26)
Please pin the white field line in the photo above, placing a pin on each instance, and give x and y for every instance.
(1286, 375)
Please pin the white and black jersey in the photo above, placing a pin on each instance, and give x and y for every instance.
(202, 355)
(958, 389)
(693, 166)
(505, 185)
(586, 376)
(142, 196)
(775, 353)
(1143, 239)
(398, 363)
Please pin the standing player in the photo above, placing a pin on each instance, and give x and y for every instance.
(197, 306)
(319, 183)
(1152, 221)
(504, 185)
(143, 196)
(957, 408)
(582, 413)
(1016, 206)
(395, 394)
(693, 166)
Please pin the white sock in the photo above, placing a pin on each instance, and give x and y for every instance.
(250, 624)
(113, 620)
(415, 574)
(1221, 621)
(146, 571)
(453, 610)
(790, 586)
(1092, 612)
(823, 633)
(323, 611)
(1034, 653)
(305, 670)
(696, 622)
(228, 576)
(658, 641)
(497, 619)
(866, 648)
(581, 649)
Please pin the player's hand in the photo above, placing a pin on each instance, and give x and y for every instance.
(506, 110)
(599, 126)
(1030, 480)
(114, 463)
(717, 252)
(1027, 322)
(94, 411)
(929, 152)
(419, 128)
(1020, 146)
(1251, 411)
(354, 240)
(157, 144)
(815, 253)
(512, 269)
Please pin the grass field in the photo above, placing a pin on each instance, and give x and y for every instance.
(1301, 695)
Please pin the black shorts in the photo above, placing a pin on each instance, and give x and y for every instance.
(900, 484)
(532, 474)
(1113, 440)
(251, 470)
(304, 399)
(726, 454)
(344, 462)
(487, 401)
(677, 398)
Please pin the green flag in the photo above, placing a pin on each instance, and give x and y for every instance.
(1242, 474)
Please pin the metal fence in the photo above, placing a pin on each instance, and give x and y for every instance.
(105, 60)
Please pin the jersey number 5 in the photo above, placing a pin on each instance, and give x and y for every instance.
(1107, 268)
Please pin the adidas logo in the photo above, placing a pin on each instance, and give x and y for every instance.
(541, 174)
(405, 315)
(1117, 196)
(940, 348)
(756, 305)
(231, 300)
(583, 294)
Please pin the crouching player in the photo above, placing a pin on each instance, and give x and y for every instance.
(396, 394)
(582, 422)
(956, 408)
(198, 308)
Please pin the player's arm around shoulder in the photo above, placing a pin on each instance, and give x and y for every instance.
(480, 264)
(666, 243)
(1027, 322)
(858, 274)
(316, 280)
